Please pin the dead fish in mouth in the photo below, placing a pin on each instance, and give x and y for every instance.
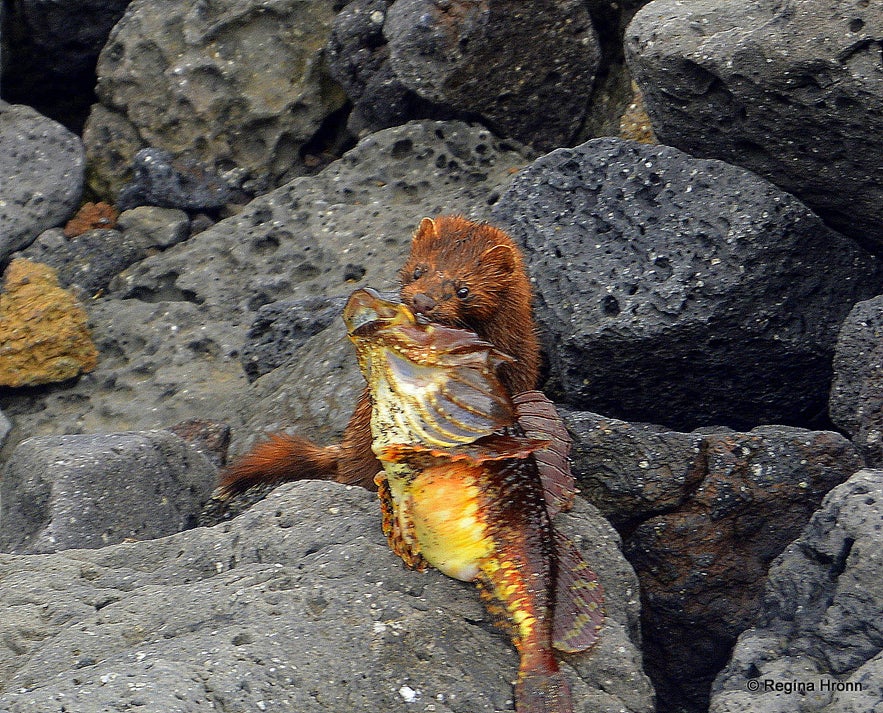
(461, 491)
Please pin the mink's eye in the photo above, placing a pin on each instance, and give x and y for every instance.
(418, 273)
(462, 292)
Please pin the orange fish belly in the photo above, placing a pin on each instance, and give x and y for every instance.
(443, 506)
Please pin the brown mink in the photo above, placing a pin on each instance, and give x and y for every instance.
(459, 273)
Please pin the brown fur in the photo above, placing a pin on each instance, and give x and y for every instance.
(458, 273)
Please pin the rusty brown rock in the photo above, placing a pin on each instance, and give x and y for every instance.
(702, 516)
(43, 332)
(90, 217)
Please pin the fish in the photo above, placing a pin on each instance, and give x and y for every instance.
(461, 491)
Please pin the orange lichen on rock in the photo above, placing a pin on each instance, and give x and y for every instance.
(44, 337)
(91, 217)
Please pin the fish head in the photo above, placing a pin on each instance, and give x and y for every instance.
(438, 385)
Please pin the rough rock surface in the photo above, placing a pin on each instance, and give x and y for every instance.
(702, 514)
(230, 84)
(679, 290)
(92, 490)
(171, 331)
(90, 260)
(254, 615)
(526, 68)
(45, 337)
(159, 179)
(155, 227)
(282, 328)
(819, 627)
(792, 91)
(856, 403)
(358, 58)
(41, 166)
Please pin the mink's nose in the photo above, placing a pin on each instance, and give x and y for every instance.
(423, 304)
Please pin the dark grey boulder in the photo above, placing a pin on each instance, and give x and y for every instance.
(91, 490)
(792, 91)
(298, 605)
(154, 227)
(682, 291)
(89, 260)
(702, 514)
(819, 627)
(526, 68)
(358, 58)
(161, 179)
(856, 403)
(41, 167)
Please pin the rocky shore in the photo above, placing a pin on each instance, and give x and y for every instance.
(711, 313)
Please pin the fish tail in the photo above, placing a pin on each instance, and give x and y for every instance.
(542, 692)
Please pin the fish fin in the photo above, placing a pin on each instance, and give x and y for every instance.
(579, 600)
(542, 692)
(490, 448)
(538, 419)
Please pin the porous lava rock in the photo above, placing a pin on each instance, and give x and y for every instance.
(856, 403)
(679, 290)
(527, 68)
(41, 166)
(791, 91)
(92, 490)
(298, 604)
(234, 85)
(45, 335)
(817, 640)
(702, 514)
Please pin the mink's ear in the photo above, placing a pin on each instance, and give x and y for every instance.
(499, 260)
(426, 232)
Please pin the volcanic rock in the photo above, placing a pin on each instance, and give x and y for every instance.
(682, 291)
(818, 630)
(793, 92)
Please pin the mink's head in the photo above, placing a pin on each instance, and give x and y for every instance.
(459, 272)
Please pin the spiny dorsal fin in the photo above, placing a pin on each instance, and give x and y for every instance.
(538, 419)
(579, 600)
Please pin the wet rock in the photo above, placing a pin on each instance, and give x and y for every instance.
(45, 337)
(234, 86)
(164, 181)
(525, 68)
(682, 291)
(818, 628)
(703, 515)
(791, 92)
(41, 165)
(92, 490)
(281, 329)
(153, 227)
(856, 403)
(274, 597)
(90, 260)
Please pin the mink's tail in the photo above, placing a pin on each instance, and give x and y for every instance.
(542, 692)
(281, 457)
